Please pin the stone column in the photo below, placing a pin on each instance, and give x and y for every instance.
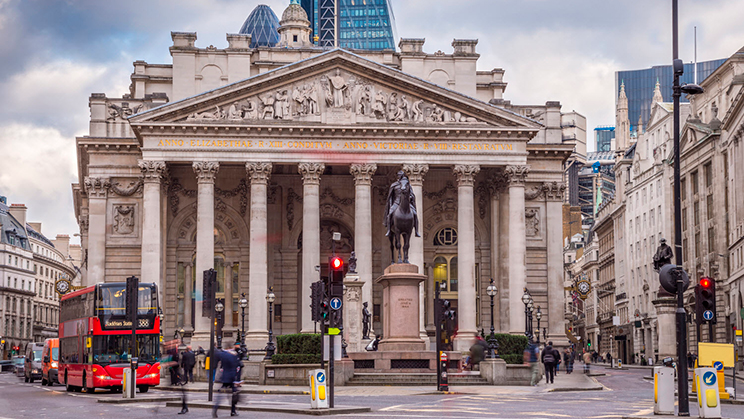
(517, 248)
(227, 273)
(416, 173)
(206, 173)
(496, 186)
(554, 224)
(363, 227)
(465, 256)
(310, 236)
(258, 334)
(187, 291)
(666, 307)
(97, 190)
(151, 264)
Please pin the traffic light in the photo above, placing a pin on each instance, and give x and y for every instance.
(208, 285)
(447, 312)
(317, 294)
(589, 344)
(336, 276)
(325, 309)
(131, 298)
(707, 298)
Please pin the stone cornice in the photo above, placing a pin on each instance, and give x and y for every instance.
(311, 172)
(258, 172)
(363, 173)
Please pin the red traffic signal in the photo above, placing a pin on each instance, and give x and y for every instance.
(337, 263)
(705, 282)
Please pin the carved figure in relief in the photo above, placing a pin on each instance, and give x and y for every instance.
(250, 111)
(364, 105)
(380, 103)
(268, 106)
(418, 113)
(393, 107)
(115, 111)
(404, 108)
(233, 113)
(124, 219)
(311, 100)
(532, 221)
(281, 105)
(339, 86)
(437, 114)
(298, 95)
(206, 115)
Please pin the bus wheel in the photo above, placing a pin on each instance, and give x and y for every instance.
(143, 389)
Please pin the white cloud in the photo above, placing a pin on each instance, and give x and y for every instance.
(39, 164)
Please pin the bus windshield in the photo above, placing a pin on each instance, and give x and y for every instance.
(111, 300)
(113, 349)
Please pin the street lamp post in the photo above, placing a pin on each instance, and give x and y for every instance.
(493, 344)
(526, 299)
(243, 304)
(219, 308)
(538, 315)
(531, 309)
(270, 297)
(677, 90)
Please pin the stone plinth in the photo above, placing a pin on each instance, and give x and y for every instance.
(353, 312)
(400, 305)
(666, 309)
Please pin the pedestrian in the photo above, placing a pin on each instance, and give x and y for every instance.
(550, 358)
(609, 358)
(530, 357)
(188, 360)
(477, 352)
(229, 378)
(568, 360)
(587, 362)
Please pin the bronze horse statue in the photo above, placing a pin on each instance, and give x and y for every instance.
(401, 218)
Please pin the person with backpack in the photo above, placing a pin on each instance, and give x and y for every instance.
(549, 358)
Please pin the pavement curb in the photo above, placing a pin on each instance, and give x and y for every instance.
(275, 409)
(140, 400)
(561, 389)
(244, 391)
(723, 401)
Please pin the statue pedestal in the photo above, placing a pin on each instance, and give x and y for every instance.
(400, 298)
(353, 312)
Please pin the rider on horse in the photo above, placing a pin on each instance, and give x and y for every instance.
(393, 201)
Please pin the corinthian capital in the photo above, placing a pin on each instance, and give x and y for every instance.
(96, 187)
(258, 172)
(311, 172)
(465, 173)
(206, 171)
(517, 174)
(416, 172)
(554, 190)
(363, 173)
(152, 170)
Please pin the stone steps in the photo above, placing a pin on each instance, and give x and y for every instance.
(412, 379)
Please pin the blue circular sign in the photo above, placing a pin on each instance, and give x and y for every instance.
(718, 365)
(335, 303)
(707, 315)
(320, 376)
(709, 378)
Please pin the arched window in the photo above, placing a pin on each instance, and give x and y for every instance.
(446, 237)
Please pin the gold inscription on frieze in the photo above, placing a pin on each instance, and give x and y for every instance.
(369, 146)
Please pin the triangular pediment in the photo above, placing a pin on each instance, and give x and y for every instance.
(335, 88)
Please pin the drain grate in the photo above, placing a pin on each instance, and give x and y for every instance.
(409, 363)
(364, 364)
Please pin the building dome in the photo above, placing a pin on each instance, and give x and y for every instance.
(294, 12)
(262, 25)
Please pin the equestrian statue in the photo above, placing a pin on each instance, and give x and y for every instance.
(401, 217)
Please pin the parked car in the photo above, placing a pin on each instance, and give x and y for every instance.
(18, 365)
(32, 361)
(49, 362)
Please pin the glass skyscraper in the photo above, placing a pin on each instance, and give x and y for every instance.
(639, 86)
(262, 25)
(604, 137)
(362, 24)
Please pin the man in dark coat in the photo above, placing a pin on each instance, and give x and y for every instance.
(229, 364)
(188, 360)
(549, 358)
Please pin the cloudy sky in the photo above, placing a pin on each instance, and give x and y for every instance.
(55, 53)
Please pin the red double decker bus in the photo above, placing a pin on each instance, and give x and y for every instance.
(95, 337)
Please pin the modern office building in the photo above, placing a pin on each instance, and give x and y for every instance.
(262, 25)
(639, 86)
(596, 183)
(605, 138)
(368, 24)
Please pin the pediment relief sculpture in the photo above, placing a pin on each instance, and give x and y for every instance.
(336, 96)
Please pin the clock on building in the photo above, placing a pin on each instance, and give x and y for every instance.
(62, 286)
(584, 287)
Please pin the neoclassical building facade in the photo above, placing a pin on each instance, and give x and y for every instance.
(290, 145)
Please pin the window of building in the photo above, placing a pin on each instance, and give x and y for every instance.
(708, 173)
(696, 213)
(445, 271)
(697, 245)
(446, 237)
(683, 189)
(711, 240)
(694, 181)
(709, 206)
